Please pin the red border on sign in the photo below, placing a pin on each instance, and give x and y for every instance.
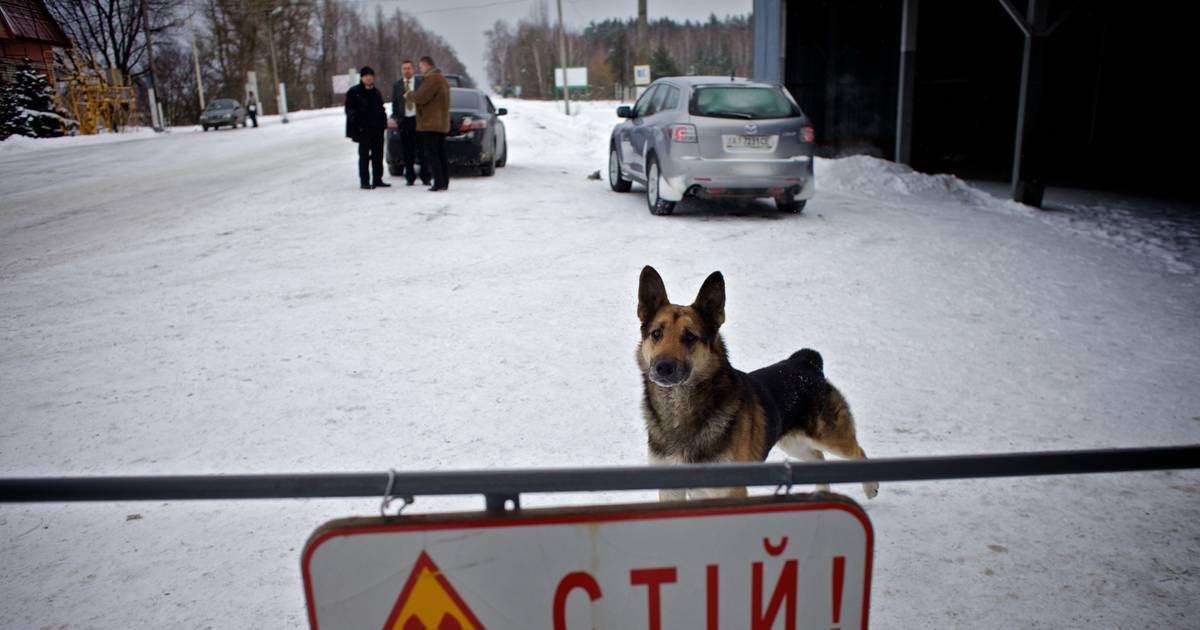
(573, 519)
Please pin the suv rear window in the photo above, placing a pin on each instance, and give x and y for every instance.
(746, 103)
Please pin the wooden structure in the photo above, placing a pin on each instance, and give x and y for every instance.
(28, 30)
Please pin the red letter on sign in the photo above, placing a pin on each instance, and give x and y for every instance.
(652, 578)
(714, 602)
(570, 582)
(785, 588)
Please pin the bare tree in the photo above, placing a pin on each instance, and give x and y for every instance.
(112, 29)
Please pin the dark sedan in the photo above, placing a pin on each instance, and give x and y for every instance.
(223, 111)
(476, 135)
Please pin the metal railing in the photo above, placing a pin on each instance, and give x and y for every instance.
(502, 486)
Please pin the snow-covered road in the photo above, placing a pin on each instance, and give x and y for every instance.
(231, 302)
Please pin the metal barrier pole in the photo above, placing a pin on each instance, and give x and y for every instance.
(506, 484)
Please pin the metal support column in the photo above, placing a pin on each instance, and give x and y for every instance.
(1028, 184)
(908, 68)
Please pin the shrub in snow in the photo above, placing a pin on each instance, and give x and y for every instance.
(11, 120)
(27, 106)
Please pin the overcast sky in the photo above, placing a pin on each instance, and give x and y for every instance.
(462, 22)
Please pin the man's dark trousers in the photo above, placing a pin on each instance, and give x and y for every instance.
(435, 156)
(413, 154)
(370, 151)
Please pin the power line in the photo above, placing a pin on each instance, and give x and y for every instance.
(474, 6)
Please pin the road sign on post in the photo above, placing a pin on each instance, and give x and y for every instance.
(641, 75)
(797, 562)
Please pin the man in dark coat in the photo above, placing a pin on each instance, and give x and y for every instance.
(252, 109)
(404, 117)
(432, 99)
(366, 121)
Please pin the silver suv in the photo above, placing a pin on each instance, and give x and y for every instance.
(713, 137)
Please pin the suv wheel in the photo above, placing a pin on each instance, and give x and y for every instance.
(615, 181)
(658, 206)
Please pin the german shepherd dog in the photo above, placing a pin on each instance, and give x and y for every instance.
(700, 409)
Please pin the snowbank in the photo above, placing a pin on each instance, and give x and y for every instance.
(1173, 241)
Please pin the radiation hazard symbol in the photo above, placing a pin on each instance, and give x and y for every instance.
(429, 602)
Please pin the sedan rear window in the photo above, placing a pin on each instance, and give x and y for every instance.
(222, 104)
(747, 103)
(464, 100)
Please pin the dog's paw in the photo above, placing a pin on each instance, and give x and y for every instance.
(871, 488)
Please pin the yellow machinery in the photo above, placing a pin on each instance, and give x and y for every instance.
(95, 97)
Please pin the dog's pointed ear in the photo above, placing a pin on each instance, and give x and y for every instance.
(710, 301)
(652, 294)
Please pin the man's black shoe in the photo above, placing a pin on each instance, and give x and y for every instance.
(365, 186)
(434, 189)
(409, 182)
(381, 185)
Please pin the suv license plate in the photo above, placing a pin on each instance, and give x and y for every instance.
(750, 143)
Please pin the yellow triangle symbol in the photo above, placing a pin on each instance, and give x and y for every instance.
(429, 602)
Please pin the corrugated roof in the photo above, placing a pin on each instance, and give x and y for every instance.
(29, 19)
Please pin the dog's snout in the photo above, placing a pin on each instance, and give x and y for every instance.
(667, 372)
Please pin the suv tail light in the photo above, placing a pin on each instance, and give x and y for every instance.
(682, 133)
(472, 124)
(807, 134)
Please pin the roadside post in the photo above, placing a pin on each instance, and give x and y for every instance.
(641, 79)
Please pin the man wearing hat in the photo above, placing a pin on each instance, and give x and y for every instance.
(366, 121)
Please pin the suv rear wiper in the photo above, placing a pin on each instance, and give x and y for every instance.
(732, 115)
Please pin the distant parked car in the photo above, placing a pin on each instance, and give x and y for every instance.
(477, 136)
(714, 137)
(221, 112)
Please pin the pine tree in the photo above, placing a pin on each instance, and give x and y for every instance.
(37, 115)
(618, 59)
(10, 121)
(661, 64)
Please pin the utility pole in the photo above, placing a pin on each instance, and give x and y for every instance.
(908, 82)
(643, 33)
(155, 121)
(280, 102)
(195, 55)
(562, 57)
(1028, 184)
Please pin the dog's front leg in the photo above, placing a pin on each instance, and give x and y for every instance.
(717, 493)
(668, 494)
(672, 495)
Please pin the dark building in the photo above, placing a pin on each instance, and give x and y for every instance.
(1108, 111)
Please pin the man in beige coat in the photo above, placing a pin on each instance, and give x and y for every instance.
(432, 99)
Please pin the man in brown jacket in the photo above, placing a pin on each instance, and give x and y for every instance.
(432, 98)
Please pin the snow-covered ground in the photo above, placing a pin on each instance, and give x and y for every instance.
(231, 302)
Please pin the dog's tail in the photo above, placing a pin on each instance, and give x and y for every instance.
(809, 356)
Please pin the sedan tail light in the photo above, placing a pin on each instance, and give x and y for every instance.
(682, 132)
(471, 124)
(807, 134)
